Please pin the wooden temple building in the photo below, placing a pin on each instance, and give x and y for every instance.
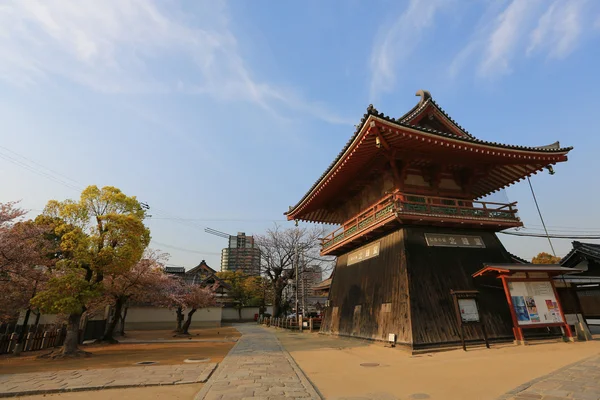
(405, 193)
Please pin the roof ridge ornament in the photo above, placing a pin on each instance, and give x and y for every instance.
(424, 94)
(553, 146)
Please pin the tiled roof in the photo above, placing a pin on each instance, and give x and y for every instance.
(426, 100)
(202, 266)
(518, 259)
(372, 111)
(586, 250)
(323, 284)
(175, 270)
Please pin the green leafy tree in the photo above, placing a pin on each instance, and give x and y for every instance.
(101, 234)
(244, 290)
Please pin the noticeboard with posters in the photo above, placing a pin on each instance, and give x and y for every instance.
(534, 303)
(469, 312)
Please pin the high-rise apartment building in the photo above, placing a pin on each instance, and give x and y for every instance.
(241, 254)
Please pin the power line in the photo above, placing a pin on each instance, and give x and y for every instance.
(37, 171)
(540, 213)
(575, 231)
(184, 249)
(40, 165)
(539, 235)
(565, 227)
(221, 219)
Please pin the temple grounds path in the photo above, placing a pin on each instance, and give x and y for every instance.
(333, 365)
(257, 368)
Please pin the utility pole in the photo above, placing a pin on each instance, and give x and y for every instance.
(303, 288)
(297, 259)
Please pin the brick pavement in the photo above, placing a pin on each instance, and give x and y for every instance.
(12, 385)
(580, 381)
(257, 368)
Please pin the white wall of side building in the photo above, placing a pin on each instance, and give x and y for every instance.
(50, 319)
(148, 318)
(231, 314)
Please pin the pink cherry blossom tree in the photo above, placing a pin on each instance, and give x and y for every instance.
(145, 283)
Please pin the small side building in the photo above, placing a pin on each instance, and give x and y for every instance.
(585, 285)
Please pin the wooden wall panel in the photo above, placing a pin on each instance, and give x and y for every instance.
(434, 271)
(379, 286)
(406, 290)
(568, 300)
(590, 302)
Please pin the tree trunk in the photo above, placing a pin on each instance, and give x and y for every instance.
(188, 322)
(122, 330)
(37, 318)
(21, 337)
(179, 313)
(240, 313)
(112, 324)
(277, 301)
(71, 345)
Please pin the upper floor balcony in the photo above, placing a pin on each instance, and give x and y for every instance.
(400, 208)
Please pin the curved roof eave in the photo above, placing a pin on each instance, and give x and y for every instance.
(372, 111)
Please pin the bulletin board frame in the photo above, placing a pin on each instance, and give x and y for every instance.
(518, 328)
(458, 295)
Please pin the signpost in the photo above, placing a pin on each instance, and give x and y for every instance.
(467, 313)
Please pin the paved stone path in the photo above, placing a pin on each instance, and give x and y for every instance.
(576, 381)
(257, 368)
(92, 379)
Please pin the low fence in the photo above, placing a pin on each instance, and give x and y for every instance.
(308, 324)
(37, 337)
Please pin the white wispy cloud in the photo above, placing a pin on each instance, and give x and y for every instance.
(136, 46)
(558, 29)
(502, 41)
(395, 43)
(520, 28)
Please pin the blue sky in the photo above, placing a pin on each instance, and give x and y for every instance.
(222, 114)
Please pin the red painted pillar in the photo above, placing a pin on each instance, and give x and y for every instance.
(518, 332)
(567, 327)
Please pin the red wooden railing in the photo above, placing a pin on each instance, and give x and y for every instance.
(432, 206)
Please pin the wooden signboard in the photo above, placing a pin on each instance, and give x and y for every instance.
(444, 240)
(364, 253)
(467, 313)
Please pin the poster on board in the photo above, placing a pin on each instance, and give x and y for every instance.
(468, 310)
(534, 303)
(520, 308)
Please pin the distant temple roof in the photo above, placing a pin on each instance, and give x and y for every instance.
(201, 274)
(323, 285)
(175, 270)
(581, 251)
(203, 266)
(518, 259)
(428, 130)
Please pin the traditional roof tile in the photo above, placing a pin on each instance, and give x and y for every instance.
(581, 250)
(372, 111)
(518, 259)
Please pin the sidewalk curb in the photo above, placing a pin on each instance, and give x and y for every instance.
(203, 377)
